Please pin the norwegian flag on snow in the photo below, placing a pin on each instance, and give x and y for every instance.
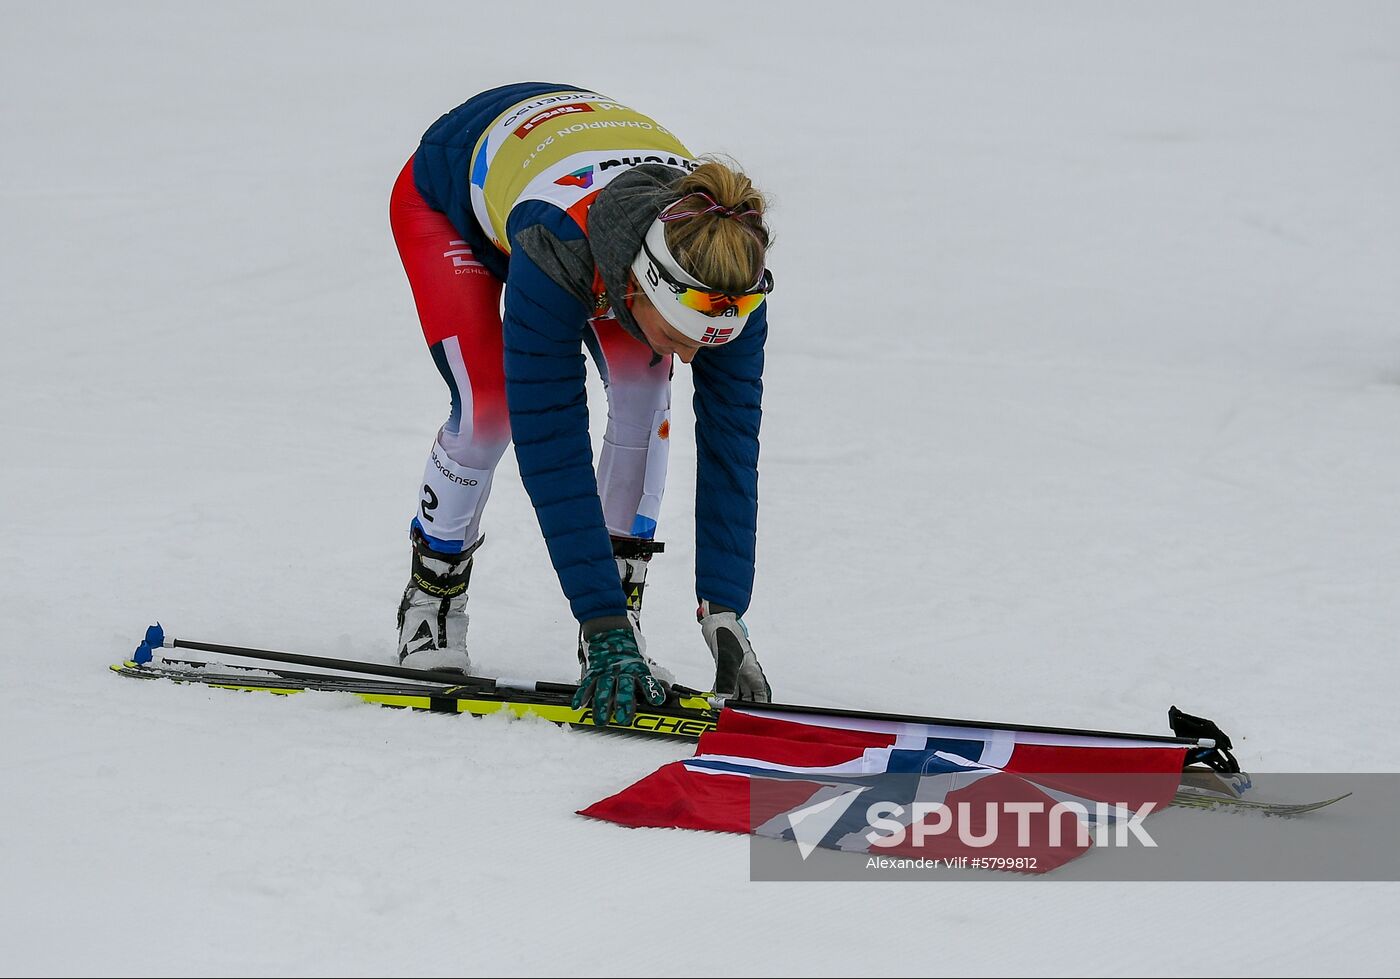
(906, 789)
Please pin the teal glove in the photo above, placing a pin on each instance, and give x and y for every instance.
(616, 671)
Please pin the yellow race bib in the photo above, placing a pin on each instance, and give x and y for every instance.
(562, 147)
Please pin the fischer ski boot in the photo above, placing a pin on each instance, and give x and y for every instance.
(632, 555)
(433, 613)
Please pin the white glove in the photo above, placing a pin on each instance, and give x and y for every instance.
(738, 674)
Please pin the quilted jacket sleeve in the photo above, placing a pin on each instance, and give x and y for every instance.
(544, 368)
(728, 410)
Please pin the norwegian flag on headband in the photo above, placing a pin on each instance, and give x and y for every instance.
(959, 791)
(717, 334)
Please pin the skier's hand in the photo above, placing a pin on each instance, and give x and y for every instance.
(738, 674)
(616, 673)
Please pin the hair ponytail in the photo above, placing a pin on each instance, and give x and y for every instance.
(724, 247)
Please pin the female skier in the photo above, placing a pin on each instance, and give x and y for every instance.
(607, 235)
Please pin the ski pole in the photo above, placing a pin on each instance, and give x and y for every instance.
(156, 639)
(748, 705)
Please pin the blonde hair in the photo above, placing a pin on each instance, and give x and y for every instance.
(725, 246)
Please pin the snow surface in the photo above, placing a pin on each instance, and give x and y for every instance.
(1083, 399)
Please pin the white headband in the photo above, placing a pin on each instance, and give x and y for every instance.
(708, 330)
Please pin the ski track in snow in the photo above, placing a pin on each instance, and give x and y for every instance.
(1082, 400)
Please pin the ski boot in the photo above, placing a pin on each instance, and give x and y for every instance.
(433, 613)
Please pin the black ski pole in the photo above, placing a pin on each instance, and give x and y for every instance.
(156, 638)
(749, 705)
